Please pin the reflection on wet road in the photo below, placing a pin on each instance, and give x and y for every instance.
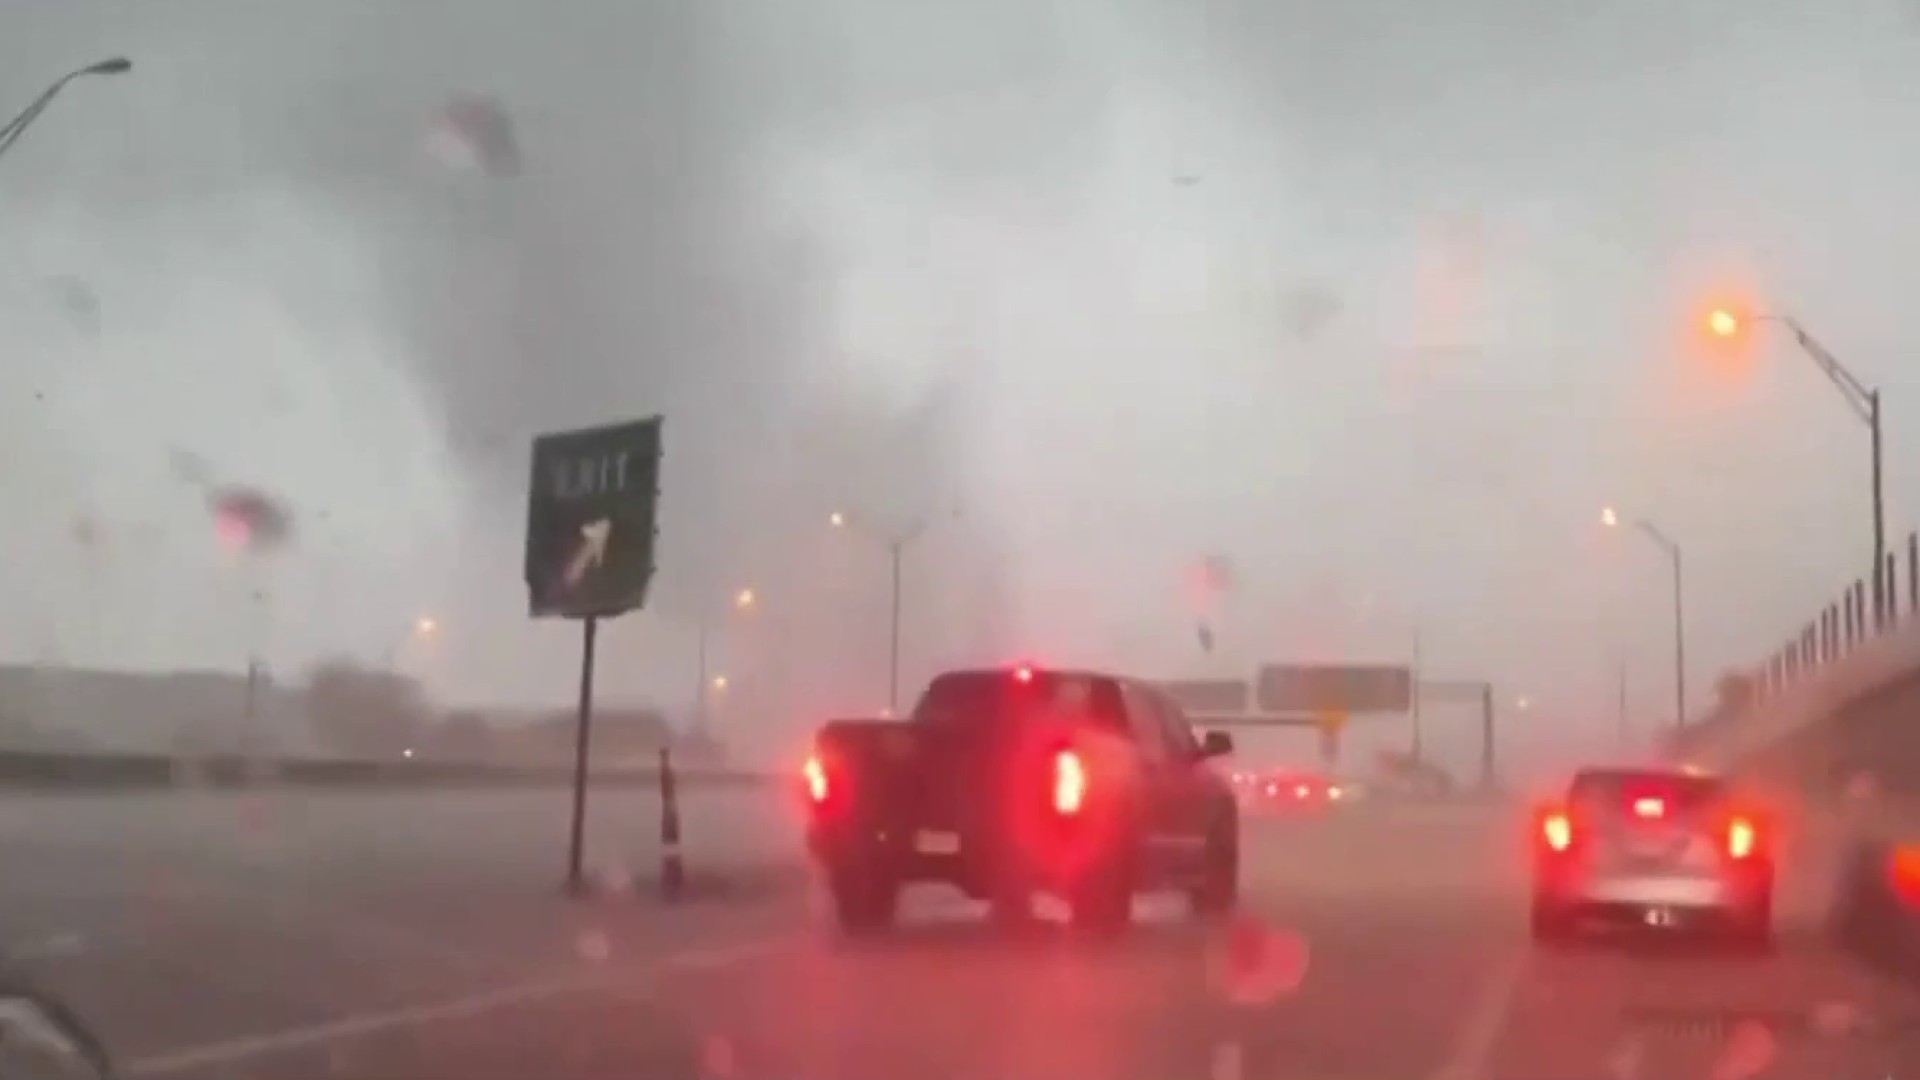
(215, 936)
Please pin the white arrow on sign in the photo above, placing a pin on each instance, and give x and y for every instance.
(592, 551)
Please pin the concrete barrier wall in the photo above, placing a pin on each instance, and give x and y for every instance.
(29, 770)
(1863, 683)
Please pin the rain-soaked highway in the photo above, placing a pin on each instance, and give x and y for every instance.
(376, 936)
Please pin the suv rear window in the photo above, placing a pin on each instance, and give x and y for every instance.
(977, 697)
(1620, 787)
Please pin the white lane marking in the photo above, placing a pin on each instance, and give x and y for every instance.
(226, 1052)
(1474, 1043)
(1627, 1058)
(1229, 1061)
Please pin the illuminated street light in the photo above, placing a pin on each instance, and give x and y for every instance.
(1864, 400)
(896, 545)
(18, 126)
(745, 599)
(1667, 544)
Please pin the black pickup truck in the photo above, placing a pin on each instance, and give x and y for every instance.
(1016, 781)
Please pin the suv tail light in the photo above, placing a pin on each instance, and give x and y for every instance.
(1556, 830)
(816, 773)
(1742, 838)
(1069, 782)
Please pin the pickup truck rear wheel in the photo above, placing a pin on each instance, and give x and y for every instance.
(1219, 889)
(1549, 920)
(864, 903)
(1102, 901)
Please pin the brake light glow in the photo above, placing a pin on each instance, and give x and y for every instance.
(816, 774)
(1301, 791)
(1557, 830)
(1069, 782)
(1023, 674)
(1742, 838)
(1649, 808)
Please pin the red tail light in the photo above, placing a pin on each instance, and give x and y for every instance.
(1742, 838)
(1023, 674)
(1069, 782)
(816, 773)
(1649, 808)
(1557, 831)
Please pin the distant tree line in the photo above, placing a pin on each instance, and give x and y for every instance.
(362, 712)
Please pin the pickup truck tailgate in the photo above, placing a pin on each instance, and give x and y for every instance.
(911, 776)
(977, 743)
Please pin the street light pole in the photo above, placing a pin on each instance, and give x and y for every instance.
(1883, 602)
(1679, 621)
(895, 547)
(18, 126)
(700, 685)
(1865, 402)
(896, 544)
(1667, 544)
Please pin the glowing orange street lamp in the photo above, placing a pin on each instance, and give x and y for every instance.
(1864, 400)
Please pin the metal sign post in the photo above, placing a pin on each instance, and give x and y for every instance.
(591, 505)
(1465, 692)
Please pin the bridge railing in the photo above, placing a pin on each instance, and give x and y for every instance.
(1852, 620)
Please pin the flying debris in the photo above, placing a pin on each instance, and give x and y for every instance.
(189, 468)
(250, 521)
(474, 133)
(77, 299)
(1210, 577)
(1309, 309)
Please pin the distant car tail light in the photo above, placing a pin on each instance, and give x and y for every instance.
(1742, 838)
(1649, 808)
(1023, 674)
(1301, 791)
(1557, 831)
(1069, 782)
(815, 771)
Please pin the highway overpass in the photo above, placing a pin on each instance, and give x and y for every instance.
(1842, 696)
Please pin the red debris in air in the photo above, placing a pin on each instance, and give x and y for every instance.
(247, 520)
(473, 132)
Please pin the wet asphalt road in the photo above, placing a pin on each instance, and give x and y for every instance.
(388, 936)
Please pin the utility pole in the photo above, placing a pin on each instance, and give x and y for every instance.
(895, 548)
(1624, 731)
(1418, 747)
(700, 684)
